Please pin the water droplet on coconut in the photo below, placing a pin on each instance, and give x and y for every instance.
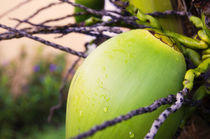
(131, 134)
(105, 109)
(80, 113)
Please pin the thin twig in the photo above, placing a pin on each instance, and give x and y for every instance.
(28, 22)
(15, 8)
(61, 90)
(185, 8)
(49, 20)
(129, 115)
(167, 13)
(163, 116)
(46, 42)
(64, 17)
(38, 11)
(106, 23)
(119, 4)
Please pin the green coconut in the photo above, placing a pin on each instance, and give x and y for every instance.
(124, 73)
(171, 23)
(93, 4)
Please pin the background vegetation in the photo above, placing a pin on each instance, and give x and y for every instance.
(25, 116)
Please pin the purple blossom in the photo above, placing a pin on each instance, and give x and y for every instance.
(5, 63)
(53, 67)
(36, 68)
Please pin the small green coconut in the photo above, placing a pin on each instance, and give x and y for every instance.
(172, 23)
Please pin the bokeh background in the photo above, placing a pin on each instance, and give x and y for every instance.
(31, 74)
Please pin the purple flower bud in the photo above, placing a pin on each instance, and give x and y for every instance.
(53, 67)
(36, 68)
(5, 63)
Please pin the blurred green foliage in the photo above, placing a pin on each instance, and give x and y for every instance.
(26, 114)
(49, 133)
